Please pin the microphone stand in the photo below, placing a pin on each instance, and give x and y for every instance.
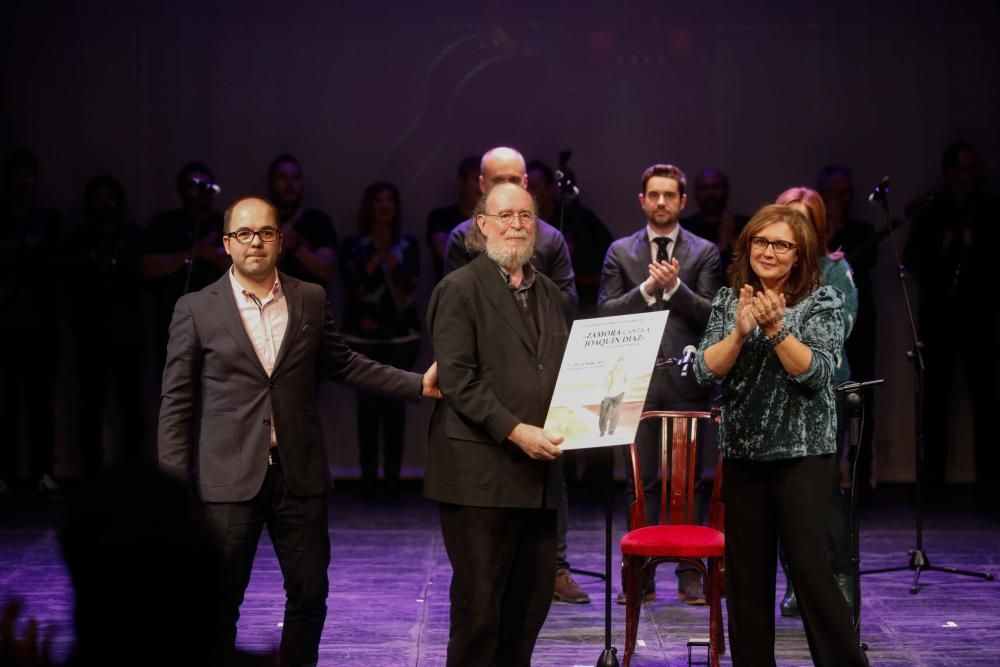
(919, 562)
(855, 401)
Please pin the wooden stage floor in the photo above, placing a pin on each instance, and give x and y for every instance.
(389, 589)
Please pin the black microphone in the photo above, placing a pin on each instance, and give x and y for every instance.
(204, 185)
(880, 192)
(687, 358)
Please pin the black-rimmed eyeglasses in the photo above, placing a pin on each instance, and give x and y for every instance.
(760, 244)
(245, 236)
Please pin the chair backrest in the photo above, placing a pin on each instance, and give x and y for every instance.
(678, 455)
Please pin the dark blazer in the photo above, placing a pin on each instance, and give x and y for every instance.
(551, 257)
(210, 356)
(493, 377)
(626, 266)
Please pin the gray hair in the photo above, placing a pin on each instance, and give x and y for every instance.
(475, 240)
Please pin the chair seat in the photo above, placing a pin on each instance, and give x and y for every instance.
(681, 541)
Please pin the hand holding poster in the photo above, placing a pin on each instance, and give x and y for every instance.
(603, 380)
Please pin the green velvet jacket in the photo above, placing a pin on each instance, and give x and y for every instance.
(768, 415)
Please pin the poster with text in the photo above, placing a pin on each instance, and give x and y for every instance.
(603, 379)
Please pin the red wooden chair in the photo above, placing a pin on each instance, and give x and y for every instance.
(678, 539)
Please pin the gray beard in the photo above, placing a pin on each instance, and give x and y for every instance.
(509, 258)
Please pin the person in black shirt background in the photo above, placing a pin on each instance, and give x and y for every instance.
(104, 255)
(182, 251)
(29, 237)
(441, 220)
(952, 249)
(380, 269)
(856, 240)
(714, 221)
(308, 237)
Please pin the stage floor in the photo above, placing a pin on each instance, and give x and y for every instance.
(389, 589)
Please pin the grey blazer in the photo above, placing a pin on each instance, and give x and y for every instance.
(211, 360)
(626, 266)
(493, 377)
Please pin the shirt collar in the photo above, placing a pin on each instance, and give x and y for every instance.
(650, 234)
(526, 281)
(240, 292)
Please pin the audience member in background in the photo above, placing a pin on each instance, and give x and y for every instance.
(714, 221)
(835, 272)
(551, 259)
(506, 165)
(587, 240)
(308, 238)
(952, 249)
(182, 251)
(103, 258)
(663, 266)
(29, 238)
(586, 236)
(442, 220)
(380, 267)
(856, 240)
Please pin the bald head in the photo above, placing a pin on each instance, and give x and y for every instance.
(501, 165)
(248, 208)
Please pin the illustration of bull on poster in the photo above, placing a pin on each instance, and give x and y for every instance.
(603, 380)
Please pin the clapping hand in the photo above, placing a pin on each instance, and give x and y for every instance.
(745, 322)
(768, 308)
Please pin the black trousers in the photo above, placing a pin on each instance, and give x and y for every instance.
(27, 383)
(112, 363)
(297, 526)
(787, 500)
(503, 573)
(389, 414)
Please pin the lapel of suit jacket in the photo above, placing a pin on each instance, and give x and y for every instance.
(230, 314)
(642, 252)
(681, 248)
(295, 300)
(499, 295)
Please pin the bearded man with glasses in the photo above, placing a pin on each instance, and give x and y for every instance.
(251, 346)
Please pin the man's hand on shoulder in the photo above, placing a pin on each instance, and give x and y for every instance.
(429, 384)
(537, 443)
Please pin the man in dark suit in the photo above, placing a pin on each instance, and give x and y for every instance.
(499, 335)
(251, 345)
(552, 259)
(663, 267)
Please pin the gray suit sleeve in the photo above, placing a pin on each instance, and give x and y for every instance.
(614, 298)
(181, 372)
(342, 364)
(694, 303)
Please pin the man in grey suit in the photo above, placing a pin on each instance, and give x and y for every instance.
(499, 335)
(251, 346)
(663, 267)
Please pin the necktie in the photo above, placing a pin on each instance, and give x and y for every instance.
(661, 256)
(661, 248)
